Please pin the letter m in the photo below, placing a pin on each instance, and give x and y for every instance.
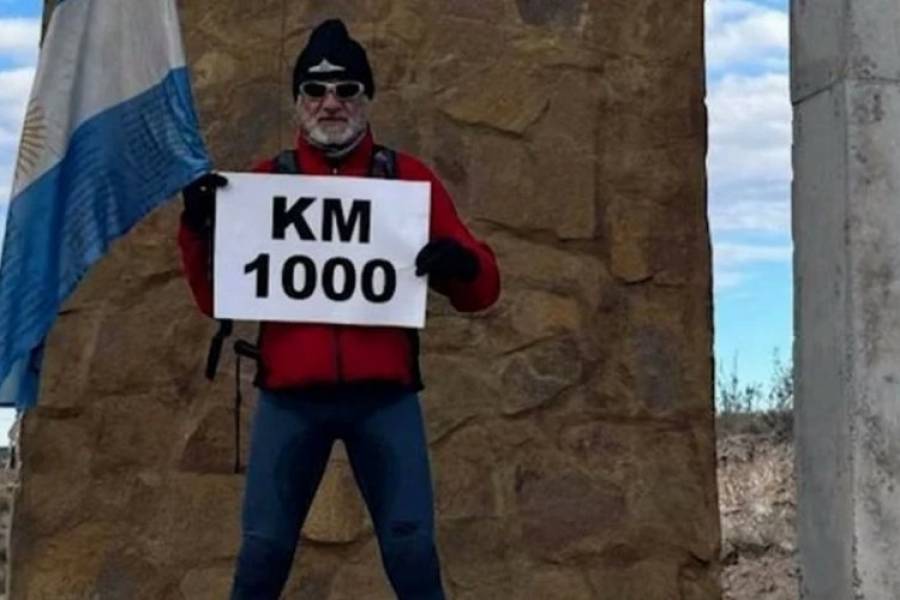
(333, 217)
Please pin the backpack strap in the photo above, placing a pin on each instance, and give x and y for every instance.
(215, 347)
(286, 163)
(383, 164)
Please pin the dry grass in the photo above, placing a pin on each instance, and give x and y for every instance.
(757, 501)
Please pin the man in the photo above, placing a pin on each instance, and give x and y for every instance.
(321, 383)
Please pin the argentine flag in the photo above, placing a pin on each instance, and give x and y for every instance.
(110, 132)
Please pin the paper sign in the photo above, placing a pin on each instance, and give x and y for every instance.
(307, 248)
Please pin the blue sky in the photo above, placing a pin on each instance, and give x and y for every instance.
(749, 166)
(749, 182)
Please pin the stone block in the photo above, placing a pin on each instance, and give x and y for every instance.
(337, 515)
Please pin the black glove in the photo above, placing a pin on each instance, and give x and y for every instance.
(447, 259)
(200, 200)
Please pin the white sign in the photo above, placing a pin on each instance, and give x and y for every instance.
(320, 249)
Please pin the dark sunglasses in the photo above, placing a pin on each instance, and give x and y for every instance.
(342, 90)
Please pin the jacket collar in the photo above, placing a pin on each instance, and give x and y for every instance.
(314, 162)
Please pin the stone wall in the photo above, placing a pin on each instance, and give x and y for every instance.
(570, 426)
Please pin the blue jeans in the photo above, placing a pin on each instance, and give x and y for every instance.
(291, 441)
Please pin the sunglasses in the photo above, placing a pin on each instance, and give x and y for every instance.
(342, 90)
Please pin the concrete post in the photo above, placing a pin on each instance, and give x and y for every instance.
(846, 93)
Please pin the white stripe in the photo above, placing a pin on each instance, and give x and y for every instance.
(97, 53)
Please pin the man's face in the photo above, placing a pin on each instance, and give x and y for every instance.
(332, 113)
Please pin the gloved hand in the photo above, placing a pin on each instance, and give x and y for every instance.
(200, 200)
(447, 259)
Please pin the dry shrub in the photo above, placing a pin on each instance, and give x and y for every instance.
(757, 502)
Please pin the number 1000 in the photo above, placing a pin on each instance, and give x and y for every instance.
(302, 285)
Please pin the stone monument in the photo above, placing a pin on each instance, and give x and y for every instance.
(571, 426)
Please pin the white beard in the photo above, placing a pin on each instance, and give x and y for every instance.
(332, 136)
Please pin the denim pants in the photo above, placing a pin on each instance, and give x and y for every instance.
(291, 441)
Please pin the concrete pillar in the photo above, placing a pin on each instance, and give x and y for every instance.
(846, 94)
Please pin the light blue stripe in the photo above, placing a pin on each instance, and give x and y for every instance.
(119, 166)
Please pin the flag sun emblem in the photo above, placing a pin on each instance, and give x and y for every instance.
(34, 139)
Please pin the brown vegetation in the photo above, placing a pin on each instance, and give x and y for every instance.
(757, 500)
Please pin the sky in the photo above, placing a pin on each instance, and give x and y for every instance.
(749, 168)
(19, 32)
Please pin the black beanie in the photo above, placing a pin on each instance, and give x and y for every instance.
(331, 53)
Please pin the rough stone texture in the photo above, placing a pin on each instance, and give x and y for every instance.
(570, 426)
(846, 93)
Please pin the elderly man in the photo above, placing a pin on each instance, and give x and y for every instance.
(321, 383)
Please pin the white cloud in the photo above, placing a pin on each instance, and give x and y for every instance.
(730, 261)
(750, 155)
(750, 129)
(730, 254)
(15, 83)
(749, 117)
(15, 86)
(771, 215)
(749, 163)
(738, 31)
(19, 39)
(728, 280)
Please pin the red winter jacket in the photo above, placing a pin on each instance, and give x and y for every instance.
(303, 354)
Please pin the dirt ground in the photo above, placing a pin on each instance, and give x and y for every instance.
(757, 500)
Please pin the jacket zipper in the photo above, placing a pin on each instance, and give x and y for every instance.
(337, 332)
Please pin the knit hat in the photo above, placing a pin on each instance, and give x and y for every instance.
(331, 53)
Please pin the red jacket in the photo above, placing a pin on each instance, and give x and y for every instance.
(301, 354)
